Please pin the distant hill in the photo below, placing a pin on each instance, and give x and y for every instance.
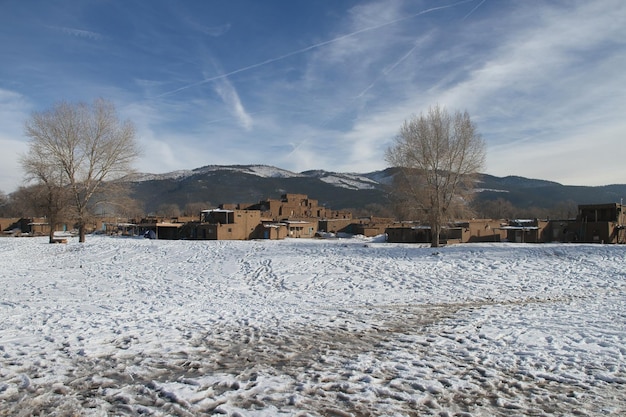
(219, 184)
(525, 192)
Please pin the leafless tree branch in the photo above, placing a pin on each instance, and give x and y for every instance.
(439, 155)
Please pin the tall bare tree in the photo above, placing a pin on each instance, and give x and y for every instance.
(86, 144)
(4, 204)
(49, 194)
(438, 155)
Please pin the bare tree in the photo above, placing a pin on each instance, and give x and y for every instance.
(85, 144)
(496, 209)
(194, 209)
(170, 210)
(438, 155)
(118, 205)
(567, 209)
(4, 204)
(49, 194)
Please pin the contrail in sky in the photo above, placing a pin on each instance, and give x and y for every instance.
(387, 71)
(392, 67)
(315, 46)
(405, 56)
(473, 10)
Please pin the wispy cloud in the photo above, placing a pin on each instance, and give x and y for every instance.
(215, 31)
(80, 33)
(543, 83)
(548, 89)
(386, 71)
(315, 46)
(348, 69)
(229, 95)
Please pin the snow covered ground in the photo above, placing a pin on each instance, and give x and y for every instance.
(122, 326)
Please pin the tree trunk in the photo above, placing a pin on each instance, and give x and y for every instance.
(435, 226)
(435, 230)
(81, 233)
(51, 233)
(52, 222)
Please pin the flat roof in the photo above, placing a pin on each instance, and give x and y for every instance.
(167, 224)
(517, 228)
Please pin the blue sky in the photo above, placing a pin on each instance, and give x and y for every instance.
(303, 84)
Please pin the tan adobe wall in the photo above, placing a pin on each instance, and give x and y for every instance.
(334, 225)
(7, 223)
(271, 231)
(302, 229)
(297, 206)
(483, 230)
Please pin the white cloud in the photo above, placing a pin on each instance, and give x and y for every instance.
(546, 75)
(591, 156)
(80, 33)
(547, 81)
(229, 95)
(215, 31)
(11, 175)
(547, 97)
(14, 111)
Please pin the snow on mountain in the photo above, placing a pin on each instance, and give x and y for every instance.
(345, 180)
(264, 171)
(174, 175)
(381, 177)
(127, 327)
(492, 190)
(351, 182)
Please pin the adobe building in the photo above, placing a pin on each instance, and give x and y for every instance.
(157, 226)
(467, 231)
(481, 230)
(595, 223)
(370, 226)
(235, 224)
(121, 228)
(295, 206)
(335, 225)
(420, 233)
(367, 226)
(294, 215)
(273, 231)
(302, 228)
(602, 223)
(408, 232)
(224, 224)
(37, 226)
(527, 231)
(10, 225)
(302, 216)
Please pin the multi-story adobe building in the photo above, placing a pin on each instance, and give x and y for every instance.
(300, 214)
(293, 215)
(294, 207)
(223, 224)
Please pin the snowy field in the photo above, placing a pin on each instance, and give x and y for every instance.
(351, 327)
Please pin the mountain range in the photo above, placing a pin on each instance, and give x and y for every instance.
(217, 184)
